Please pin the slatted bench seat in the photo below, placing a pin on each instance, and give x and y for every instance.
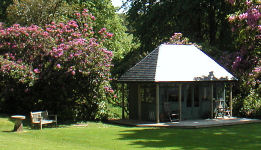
(41, 118)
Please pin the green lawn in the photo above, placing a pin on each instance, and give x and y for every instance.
(99, 136)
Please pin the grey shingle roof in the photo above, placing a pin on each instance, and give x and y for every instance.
(145, 70)
(176, 63)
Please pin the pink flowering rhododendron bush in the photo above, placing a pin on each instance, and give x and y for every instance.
(62, 67)
(246, 25)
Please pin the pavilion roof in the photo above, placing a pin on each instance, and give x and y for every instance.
(176, 63)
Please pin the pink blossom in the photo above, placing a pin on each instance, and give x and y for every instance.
(248, 2)
(93, 18)
(106, 87)
(36, 70)
(73, 72)
(109, 35)
(257, 70)
(78, 14)
(253, 16)
(58, 66)
(61, 25)
(243, 16)
(231, 18)
(73, 23)
(85, 10)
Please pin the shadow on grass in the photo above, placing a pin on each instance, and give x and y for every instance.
(246, 136)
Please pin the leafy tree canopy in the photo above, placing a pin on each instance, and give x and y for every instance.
(202, 21)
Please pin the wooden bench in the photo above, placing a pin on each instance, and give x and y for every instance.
(41, 118)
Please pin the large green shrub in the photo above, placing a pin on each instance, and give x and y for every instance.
(62, 67)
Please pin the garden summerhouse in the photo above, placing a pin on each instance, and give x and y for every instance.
(177, 80)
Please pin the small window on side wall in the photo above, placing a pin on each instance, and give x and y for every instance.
(147, 94)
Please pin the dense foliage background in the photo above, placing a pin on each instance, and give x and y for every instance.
(57, 54)
(246, 25)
